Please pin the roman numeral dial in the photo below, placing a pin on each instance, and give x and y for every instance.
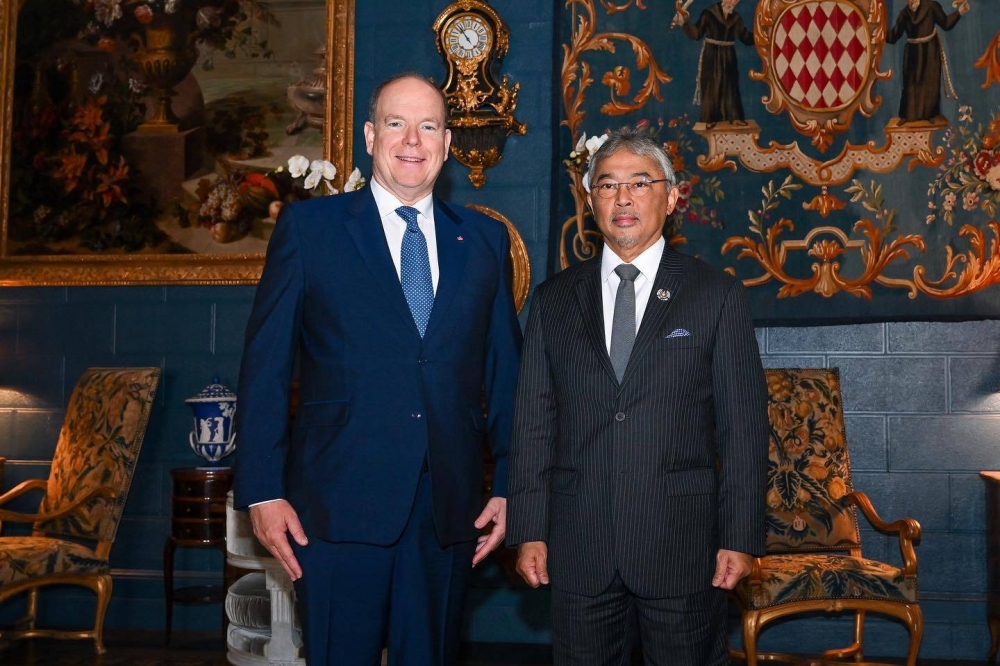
(468, 37)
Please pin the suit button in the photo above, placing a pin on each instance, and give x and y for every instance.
(416, 415)
(421, 361)
(620, 416)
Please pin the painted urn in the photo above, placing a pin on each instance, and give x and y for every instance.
(214, 410)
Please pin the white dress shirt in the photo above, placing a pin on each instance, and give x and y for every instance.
(394, 227)
(648, 262)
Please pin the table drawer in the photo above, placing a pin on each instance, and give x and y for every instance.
(188, 507)
(208, 487)
(198, 530)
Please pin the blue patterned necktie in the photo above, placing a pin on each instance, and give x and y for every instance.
(415, 270)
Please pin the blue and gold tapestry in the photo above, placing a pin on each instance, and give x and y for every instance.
(841, 157)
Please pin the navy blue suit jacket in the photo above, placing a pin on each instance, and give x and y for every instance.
(375, 398)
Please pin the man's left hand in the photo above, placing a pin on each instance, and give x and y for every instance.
(730, 566)
(496, 513)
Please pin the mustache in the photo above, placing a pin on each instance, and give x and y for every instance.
(624, 211)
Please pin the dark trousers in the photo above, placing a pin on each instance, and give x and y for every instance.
(354, 599)
(602, 630)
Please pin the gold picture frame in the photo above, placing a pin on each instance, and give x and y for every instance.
(520, 261)
(189, 267)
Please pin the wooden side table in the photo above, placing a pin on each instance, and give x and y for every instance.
(197, 520)
(992, 480)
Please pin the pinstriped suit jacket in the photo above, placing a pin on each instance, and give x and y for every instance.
(624, 478)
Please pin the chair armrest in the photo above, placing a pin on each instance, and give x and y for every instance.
(22, 488)
(908, 529)
(16, 517)
(753, 576)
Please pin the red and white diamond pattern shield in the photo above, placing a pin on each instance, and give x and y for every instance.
(820, 53)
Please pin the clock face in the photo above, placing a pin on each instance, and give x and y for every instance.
(468, 37)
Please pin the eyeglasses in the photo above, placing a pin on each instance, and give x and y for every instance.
(638, 188)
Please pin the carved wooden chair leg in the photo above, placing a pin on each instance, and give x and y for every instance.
(103, 588)
(915, 624)
(859, 634)
(854, 650)
(31, 614)
(750, 629)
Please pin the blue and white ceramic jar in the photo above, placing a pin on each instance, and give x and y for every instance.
(214, 436)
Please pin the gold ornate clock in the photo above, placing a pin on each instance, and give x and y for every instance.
(473, 38)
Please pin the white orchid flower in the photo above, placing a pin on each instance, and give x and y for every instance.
(586, 181)
(312, 180)
(581, 144)
(354, 181)
(595, 142)
(297, 166)
(330, 189)
(328, 170)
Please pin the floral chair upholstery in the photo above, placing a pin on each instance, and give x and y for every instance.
(813, 560)
(78, 516)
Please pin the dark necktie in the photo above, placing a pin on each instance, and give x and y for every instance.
(623, 324)
(415, 270)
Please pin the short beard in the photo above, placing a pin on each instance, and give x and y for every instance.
(625, 242)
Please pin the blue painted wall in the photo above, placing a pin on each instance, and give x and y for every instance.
(922, 419)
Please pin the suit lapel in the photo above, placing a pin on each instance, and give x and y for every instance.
(588, 293)
(452, 256)
(368, 235)
(669, 277)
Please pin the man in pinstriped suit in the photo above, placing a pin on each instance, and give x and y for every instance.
(639, 447)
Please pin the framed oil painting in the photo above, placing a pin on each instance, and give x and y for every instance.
(150, 141)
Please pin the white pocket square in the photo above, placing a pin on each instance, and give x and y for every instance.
(679, 333)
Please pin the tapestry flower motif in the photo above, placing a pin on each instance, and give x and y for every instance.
(969, 176)
(808, 468)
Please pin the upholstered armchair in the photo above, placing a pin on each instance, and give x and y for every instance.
(78, 515)
(813, 560)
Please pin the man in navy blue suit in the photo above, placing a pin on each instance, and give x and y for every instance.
(401, 310)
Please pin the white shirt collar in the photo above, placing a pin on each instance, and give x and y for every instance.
(388, 203)
(648, 262)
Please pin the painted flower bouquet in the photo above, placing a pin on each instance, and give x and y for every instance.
(220, 25)
(72, 184)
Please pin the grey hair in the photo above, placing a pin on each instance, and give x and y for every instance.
(373, 104)
(636, 141)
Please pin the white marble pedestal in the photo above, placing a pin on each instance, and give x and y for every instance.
(263, 625)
